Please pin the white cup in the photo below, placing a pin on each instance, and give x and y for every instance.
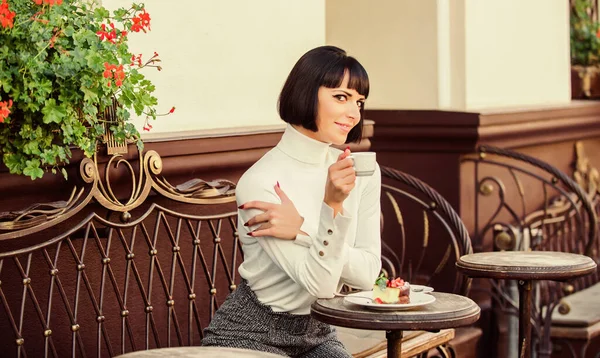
(364, 163)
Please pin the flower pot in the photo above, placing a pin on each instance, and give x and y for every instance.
(585, 82)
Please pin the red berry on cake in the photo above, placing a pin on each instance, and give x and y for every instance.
(391, 291)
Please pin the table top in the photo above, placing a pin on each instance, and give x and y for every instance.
(448, 311)
(526, 265)
(198, 352)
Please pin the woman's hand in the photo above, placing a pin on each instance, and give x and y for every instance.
(341, 179)
(278, 220)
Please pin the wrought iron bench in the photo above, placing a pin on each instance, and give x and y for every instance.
(576, 322)
(99, 275)
(522, 203)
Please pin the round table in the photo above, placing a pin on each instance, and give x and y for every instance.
(199, 352)
(526, 266)
(448, 311)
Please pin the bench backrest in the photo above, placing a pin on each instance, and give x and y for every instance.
(100, 279)
(423, 236)
(81, 279)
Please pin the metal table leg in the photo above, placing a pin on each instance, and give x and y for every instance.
(394, 343)
(524, 319)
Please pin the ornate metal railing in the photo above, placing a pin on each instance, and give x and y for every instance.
(100, 275)
(522, 203)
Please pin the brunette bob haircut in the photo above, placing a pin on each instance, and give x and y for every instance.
(322, 66)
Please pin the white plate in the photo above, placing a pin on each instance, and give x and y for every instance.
(420, 288)
(365, 299)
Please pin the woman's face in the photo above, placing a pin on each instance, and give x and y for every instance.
(338, 111)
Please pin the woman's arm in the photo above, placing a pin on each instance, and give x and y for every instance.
(364, 258)
(315, 263)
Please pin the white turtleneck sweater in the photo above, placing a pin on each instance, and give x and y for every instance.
(289, 275)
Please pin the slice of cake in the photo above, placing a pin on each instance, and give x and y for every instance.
(391, 291)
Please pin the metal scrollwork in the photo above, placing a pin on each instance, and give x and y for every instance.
(100, 186)
(193, 191)
(39, 216)
(88, 170)
(140, 184)
(36, 214)
(504, 237)
(562, 219)
(585, 175)
(564, 307)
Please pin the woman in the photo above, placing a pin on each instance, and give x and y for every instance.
(307, 223)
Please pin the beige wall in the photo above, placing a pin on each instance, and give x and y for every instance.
(224, 62)
(458, 54)
(396, 41)
(517, 52)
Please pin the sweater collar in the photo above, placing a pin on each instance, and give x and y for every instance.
(302, 148)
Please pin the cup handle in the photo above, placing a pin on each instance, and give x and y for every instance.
(353, 163)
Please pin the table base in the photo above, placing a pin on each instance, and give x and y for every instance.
(394, 343)
(525, 318)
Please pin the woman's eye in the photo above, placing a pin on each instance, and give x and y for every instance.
(340, 97)
(361, 104)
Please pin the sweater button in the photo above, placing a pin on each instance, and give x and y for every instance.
(325, 242)
(330, 232)
(321, 253)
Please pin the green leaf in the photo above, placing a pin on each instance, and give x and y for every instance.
(139, 108)
(53, 113)
(98, 129)
(95, 61)
(69, 31)
(31, 147)
(14, 162)
(26, 131)
(381, 281)
(6, 85)
(89, 94)
(33, 170)
(63, 154)
(48, 157)
(101, 13)
(140, 145)
(79, 56)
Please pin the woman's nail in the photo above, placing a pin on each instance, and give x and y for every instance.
(251, 234)
(278, 184)
(241, 206)
(347, 148)
(246, 223)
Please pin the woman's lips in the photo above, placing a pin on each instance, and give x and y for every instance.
(345, 127)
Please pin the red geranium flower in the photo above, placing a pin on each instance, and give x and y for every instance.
(6, 16)
(5, 109)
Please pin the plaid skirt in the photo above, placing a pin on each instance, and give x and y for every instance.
(244, 322)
